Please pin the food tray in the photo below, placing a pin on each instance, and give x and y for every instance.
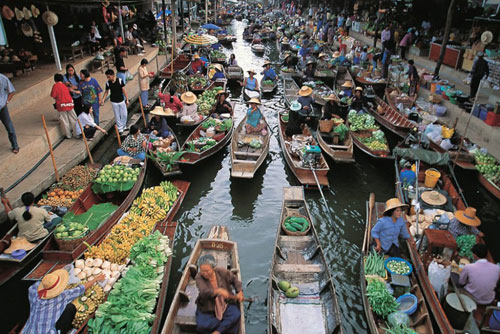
(400, 260)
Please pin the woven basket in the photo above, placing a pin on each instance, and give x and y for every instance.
(70, 245)
(297, 234)
(326, 125)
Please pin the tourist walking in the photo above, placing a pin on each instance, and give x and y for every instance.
(64, 105)
(121, 69)
(6, 92)
(479, 70)
(118, 97)
(91, 92)
(143, 77)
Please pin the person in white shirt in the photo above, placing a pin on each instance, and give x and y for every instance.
(87, 121)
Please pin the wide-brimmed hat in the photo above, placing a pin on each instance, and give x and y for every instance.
(35, 11)
(19, 14)
(254, 100)
(287, 55)
(189, 97)
(486, 37)
(219, 67)
(336, 54)
(284, 40)
(322, 55)
(252, 71)
(196, 56)
(159, 111)
(347, 84)
(305, 91)
(295, 106)
(27, 13)
(393, 203)
(359, 89)
(222, 91)
(468, 216)
(53, 284)
(19, 243)
(310, 61)
(331, 97)
(27, 29)
(433, 197)
(267, 62)
(50, 18)
(7, 13)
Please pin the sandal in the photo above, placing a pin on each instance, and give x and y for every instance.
(15, 150)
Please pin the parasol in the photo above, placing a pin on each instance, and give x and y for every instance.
(210, 26)
(201, 39)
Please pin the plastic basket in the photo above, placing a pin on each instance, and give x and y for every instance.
(407, 303)
(296, 233)
(400, 260)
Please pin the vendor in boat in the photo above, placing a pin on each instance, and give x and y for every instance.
(322, 63)
(217, 308)
(251, 83)
(347, 88)
(232, 60)
(285, 45)
(337, 59)
(254, 118)
(293, 125)
(480, 279)
(465, 222)
(134, 145)
(306, 101)
(407, 175)
(171, 100)
(33, 223)
(51, 307)
(290, 61)
(309, 71)
(197, 65)
(389, 228)
(358, 101)
(332, 108)
(219, 74)
(221, 106)
(189, 112)
(269, 73)
(157, 126)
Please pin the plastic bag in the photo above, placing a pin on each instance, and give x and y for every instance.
(398, 318)
(439, 276)
(446, 144)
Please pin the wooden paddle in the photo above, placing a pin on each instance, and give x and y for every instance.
(371, 204)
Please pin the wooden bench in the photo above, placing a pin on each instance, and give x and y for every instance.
(98, 64)
(74, 51)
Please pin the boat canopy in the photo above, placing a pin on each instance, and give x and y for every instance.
(429, 157)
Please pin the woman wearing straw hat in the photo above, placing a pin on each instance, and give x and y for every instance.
(254, 117)
(322, 63)
(189, 112)
(219, 74)
(157, 126)
(465, 222)
(358, 101)
(331, 108)
(251, 85)
(269, 73)
(306, 101)
(347, 88)
(293, 125)
(221, 105)
(309, 71)
(389, 228)
(51, 310)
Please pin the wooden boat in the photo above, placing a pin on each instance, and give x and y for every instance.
(191, 158)
(319, 92)
(181, 316)
(235, 72)
(420, 321)
(166, 171)
(245, 160)
(245, 95)
(268, 89)
(300, 261)
(391, 119)
(378, 86)
(196, 85)
(343, 75)
(180, 63)
(305, 175)
(53, 258)
(258, 48)
(394, 100)
(489, 185)
(340, 152)
(378, 154)
(325, 74)
(291, 90)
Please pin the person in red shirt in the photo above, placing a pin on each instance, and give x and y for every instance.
(171, 101)
(64, 105)
(197, 65)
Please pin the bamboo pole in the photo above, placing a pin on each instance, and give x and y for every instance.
(174, 32)
(142, 111)
(118, 136)
(85, 141)
(50, 148)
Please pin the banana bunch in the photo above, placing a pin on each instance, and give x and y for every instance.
(87, 304)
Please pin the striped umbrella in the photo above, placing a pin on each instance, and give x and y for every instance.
(201, 39)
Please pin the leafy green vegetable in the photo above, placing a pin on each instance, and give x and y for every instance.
(341, 130)
(381, 301)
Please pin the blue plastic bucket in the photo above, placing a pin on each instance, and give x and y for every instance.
(407, 303)
(494, 322)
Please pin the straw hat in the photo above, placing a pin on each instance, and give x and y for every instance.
(331, 97)
(26, 13)
(393, 203)
(50, 18)
(468, 216)
(196, 56)
(19, 14)
(433, 197)
(486, 37)
(252, 71)
(305, 91)
(189, 97)
(19, 243)
(222, 92)
(254, 100)
(310, 61)
(347, 84)
(15, 58)
(53, 284)
(159, 111)
(285, 40)
(322, 55)
(359, 89)
(35, 11)
(295, 106)
(218, 67)
(336, 54)
(27, 30)
(7, 13)
(267, 62)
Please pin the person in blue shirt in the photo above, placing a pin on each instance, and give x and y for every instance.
(254, 117)
(407, 176)
(251, 85)
(269, 73)
(389, 228)
(347, 88)
(218, 72)
(306, 101)
(216, 46)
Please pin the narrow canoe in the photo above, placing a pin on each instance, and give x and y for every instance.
(161, 166)
(340, 152)
(300, 261)
(181, 318)
(234, 72)
(420, 321)
(180, 63)
(258, 48)
(391, 119)
(377, 154)
(245, 160)
(291, 90)
(305, 175)
(489, 185)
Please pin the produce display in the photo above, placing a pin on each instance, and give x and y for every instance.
(87, 304)
(341, 130)
(374, 264)
(289, 290)
(210, 122)
(398, 267)
(207, 100)
(267, 83)
(59, 197)
(71, 231)
(399, 329)
(216, 55)
(288, 69)
(130, 304)
(164, 145)
(167, 159)
(381, 301)
(296, 224)
(151, 207)
(465, 243)
(359, 122)
(376, 141)
(89, 269)
(487, 165)
(225, 126)
(200, 144)
(92, 218)
(197, 82)
(115, 178)
(374, 144)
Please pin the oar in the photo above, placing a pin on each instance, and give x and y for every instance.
(322, 196)
(371, 204)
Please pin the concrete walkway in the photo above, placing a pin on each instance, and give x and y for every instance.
(26, 109)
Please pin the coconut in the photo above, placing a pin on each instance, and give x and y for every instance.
(81, 275)
(96, 271)
(97, 263)
(80, 264)
(114, 267)
(89, 262)
(107, 288)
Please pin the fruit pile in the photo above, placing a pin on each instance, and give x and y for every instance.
(207, 100)
(58, 197)
(77, 178)
(296, 224)
(361, 121)
(487, 165)
(117, 174)
(217, 54)
(71, 230)
(87, 304)
(376, 142)
(197, 82)
(289, 290)
(151, 207)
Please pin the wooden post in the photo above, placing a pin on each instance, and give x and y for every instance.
(174, 32)
(50, 148)
(142, 111)
(206, 11)
(118, 136)
(85, 141)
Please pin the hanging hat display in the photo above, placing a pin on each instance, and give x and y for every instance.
(19, 14)
(7, 13)
(27, 30)
(26, 13)
(35, 11)
(50, 18)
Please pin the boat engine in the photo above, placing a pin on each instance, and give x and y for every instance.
(311, 156)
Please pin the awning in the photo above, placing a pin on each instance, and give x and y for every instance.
(429, 157)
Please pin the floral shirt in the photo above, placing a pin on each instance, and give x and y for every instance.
(131, 142)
